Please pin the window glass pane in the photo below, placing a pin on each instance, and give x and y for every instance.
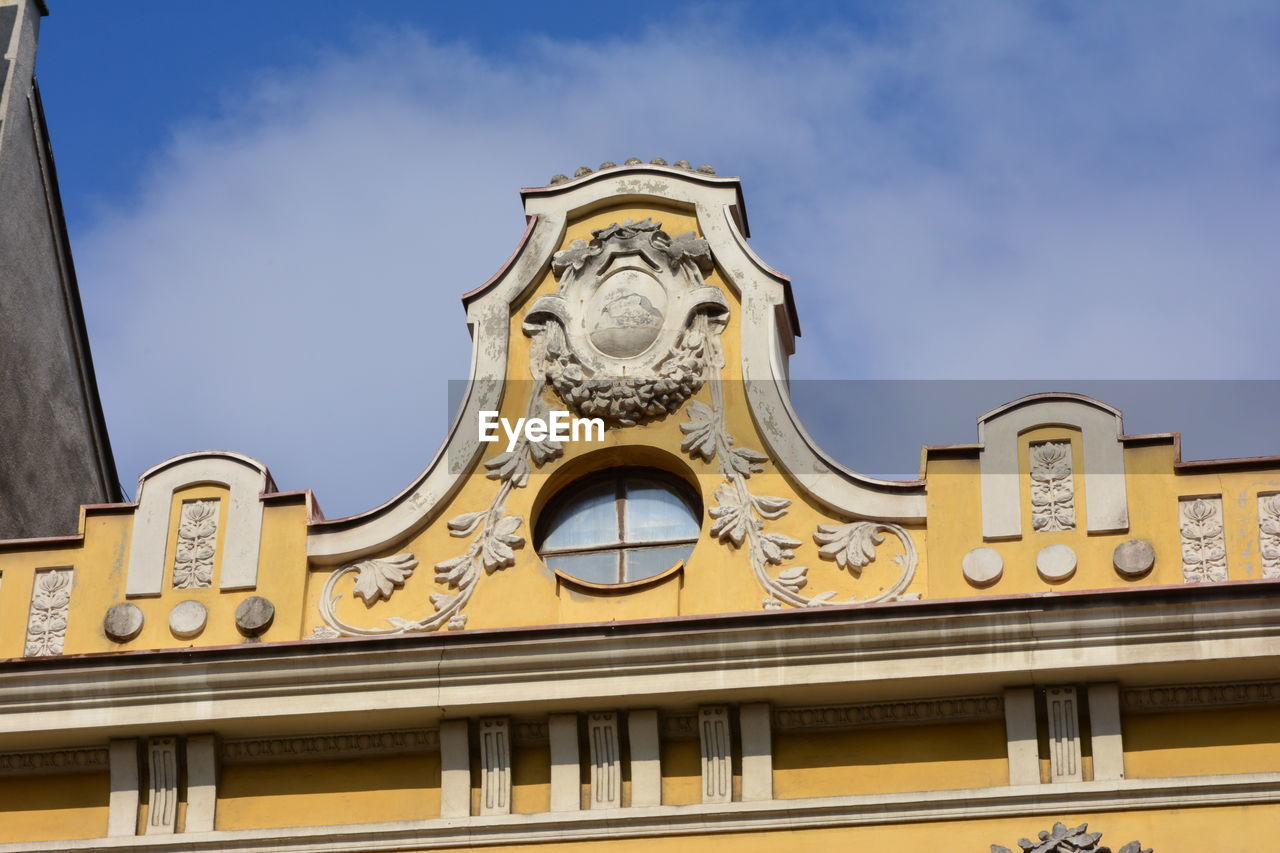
(655, 513)
(654, 561)
(596, 567)
(589, 518)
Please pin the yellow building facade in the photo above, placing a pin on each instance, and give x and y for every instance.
(691, 629)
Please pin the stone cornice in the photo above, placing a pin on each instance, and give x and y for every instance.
(1054, 800)
(917, 650)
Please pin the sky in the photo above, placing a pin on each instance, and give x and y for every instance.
(275, 206)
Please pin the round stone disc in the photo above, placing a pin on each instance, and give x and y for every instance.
(1056, 562)
(1133, 557)
(187, 619)
(254, 615)
(123, 621)
(982, 566)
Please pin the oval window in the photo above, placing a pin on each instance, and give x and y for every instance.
(621, 526)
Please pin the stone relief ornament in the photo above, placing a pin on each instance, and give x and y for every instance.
(1060, 839)
(1269, 534)
(1204, 552)
(740, 515)
(197, 534)
(47, 622)
(1053, 499)
(618, 332)
(491, 549)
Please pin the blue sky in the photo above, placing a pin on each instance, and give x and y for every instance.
(978, 190)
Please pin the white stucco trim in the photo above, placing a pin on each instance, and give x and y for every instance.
(1106, 497)
(897, 653)
(245, 478)
(709, 818)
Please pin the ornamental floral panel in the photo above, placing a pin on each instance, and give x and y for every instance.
(1204, 551)
(197, 537)
(47, 622)
(1269, 534)
(1053, 495)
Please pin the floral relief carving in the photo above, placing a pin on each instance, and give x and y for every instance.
(47, 623)
(740, 515)
(1269, 534)
(197, 536)
(1053, 499)
(1062, 839)
(1204, 552)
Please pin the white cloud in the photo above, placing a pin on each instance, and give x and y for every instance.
(1007, 193)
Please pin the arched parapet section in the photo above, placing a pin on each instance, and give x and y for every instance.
(1101, 428)
(769, 326)
(245, 479)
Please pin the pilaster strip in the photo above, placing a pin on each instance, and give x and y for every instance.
(162, 785)
(1063, 709)
(495, 766)
(717, 760)
(1104, 731)
(757, 752)
(455, 769)
(923, 711)
(606, 760)
(646, 758)
(122, 812)
(202, 783)
(330, 746)
(566, 789)
(1020, 736)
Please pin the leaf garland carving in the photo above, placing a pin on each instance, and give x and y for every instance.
(740, 515)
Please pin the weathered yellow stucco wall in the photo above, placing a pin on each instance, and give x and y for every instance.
(884, 760)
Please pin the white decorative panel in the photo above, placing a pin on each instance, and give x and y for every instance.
(646, 759)
(1020, 736)
(122, 811)
(606, 761)
(197, 535)
(1053, 494)
(202, 783)
(1269, 534)
(755, 724)
(717, 760)
(162, 785)
(1064, 735)
(495, 766)
(47, 619)
(566, 787)
(1204, 551)
(455, 769)
(1104, 731)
